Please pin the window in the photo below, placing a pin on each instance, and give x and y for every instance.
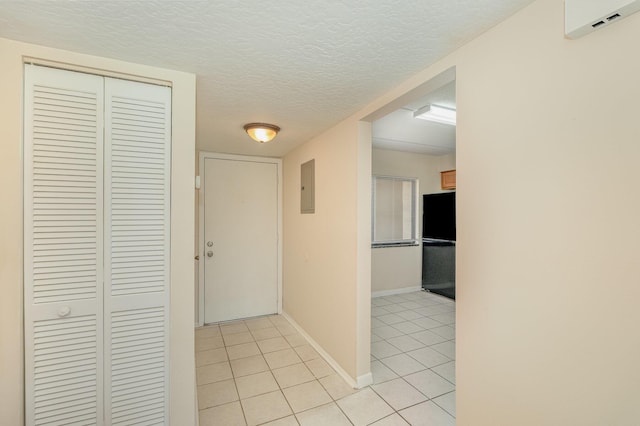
(394, 211)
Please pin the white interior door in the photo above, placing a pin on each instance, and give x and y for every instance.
(240, 238)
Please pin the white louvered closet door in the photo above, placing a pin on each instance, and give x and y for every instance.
(63, 237)
(97, 202)
(137, 205)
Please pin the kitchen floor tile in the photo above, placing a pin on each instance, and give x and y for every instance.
(428, 413)
(447, 370)
(448, 402)
(399, 394)
(429, 383)
(364, 407)
(242, 351)
(402, 364)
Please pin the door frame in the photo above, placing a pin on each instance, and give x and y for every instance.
(204, 155)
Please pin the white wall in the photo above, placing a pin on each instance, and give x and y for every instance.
(395, 268)
(182, 222)
(327, 254)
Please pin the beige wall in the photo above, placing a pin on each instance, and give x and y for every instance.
(394, 268)
(547, 252)
(548, 237)
(11, 303)
(323, 272)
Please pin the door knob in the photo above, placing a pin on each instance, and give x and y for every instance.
(64, 311)
(210, 253)
(209, 243)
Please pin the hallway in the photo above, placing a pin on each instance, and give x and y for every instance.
(262, 371)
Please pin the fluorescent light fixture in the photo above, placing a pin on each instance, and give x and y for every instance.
(436, 113)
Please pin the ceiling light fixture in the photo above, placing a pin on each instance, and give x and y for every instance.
(261, 132)
(436, 113)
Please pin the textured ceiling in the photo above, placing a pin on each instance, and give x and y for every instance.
(301, 65)
(401, 132)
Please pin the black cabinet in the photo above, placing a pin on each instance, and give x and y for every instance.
(439, 267)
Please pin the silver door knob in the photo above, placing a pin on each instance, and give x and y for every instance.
(209, 253)
(209, 243)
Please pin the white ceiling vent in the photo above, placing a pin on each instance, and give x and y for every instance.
(584, 16)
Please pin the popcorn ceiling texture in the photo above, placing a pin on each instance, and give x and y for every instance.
(303, 65)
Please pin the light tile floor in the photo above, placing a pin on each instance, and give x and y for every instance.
(263, 372)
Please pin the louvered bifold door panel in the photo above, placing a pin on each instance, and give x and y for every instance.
(137, 197)
(63, 237)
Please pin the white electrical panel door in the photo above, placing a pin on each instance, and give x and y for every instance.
(97, 202)
(63, 193)
(137, 205)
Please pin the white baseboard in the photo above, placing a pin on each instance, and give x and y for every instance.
(402, 290)
(365, 380)
(362, 381)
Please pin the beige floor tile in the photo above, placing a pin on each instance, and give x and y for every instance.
(306, 352)
(242, 351)
(427, 413)
(217, 394)
(282, 358)
(324, 415)
(364, 407)
(272, 345)
(211, 356)
(296, 340)
(256, 384)
(207, 343)
(287, 329)
(223, 415)
(265, 408)
(277, 320)
(208, 331)
(213, 373)
(266, 333)
(292, 375)
(306, 396)
(319, 368)
(336, 386)
(285, 421)
(399, 394)
(392, 420)
(447, 331)
(233, 327)
(249, 365)
(429, 383)
(258, 323)
(238, 338)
